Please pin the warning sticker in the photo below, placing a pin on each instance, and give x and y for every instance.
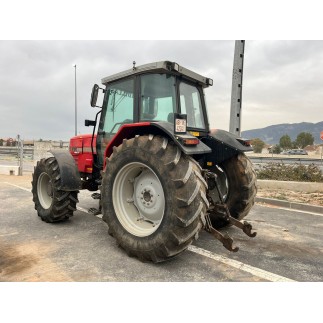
(180, 125)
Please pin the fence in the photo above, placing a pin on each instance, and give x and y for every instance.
(259, 160)
(23, 158)
(39, 150)
(28, 152)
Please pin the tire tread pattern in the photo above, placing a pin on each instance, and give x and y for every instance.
(242, 189)
(64, 202)
(182, 222)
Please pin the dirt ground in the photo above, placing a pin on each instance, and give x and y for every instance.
(292, 196)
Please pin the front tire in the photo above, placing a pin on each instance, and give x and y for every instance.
(51, 203)
(153, 198)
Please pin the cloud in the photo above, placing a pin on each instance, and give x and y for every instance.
(282, 80)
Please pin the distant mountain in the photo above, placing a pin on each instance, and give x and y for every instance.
(272, 134)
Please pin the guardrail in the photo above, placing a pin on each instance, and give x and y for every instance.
(286, 159)
(14, 152)
(305, 159)
(259, 161)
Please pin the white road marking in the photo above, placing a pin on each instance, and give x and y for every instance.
(240, 265)
(9, 234)
(287, 209)
(27, 190)
(86, 211)
(81, 209)
(22, 188)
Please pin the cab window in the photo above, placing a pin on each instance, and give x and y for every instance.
(157, 97)
(191, 104)
(119, 110)
(120, 104)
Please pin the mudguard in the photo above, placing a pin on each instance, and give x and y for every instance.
(70, 176)
(168, 128)
(224, 145)
(128, 131)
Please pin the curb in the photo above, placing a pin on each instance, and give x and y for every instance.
(291, 205)
(309, 187)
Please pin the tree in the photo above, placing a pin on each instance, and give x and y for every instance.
(257, 145)
(303, 139)
(285, 142)
(276, 149)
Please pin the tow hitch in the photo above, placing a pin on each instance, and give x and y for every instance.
(226, 240)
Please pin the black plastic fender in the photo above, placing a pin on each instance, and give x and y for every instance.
(224, 145)
(70, 176)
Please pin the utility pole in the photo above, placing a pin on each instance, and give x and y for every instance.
(236, 91)
(75, 103)
(20, 155)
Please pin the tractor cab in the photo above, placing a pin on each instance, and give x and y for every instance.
(152, 93)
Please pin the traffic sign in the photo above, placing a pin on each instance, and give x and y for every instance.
(321, 135)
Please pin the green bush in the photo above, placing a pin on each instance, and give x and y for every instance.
(283, 172)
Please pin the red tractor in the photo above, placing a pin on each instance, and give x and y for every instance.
(163, 174)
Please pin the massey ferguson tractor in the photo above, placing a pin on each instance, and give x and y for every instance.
(162, 173)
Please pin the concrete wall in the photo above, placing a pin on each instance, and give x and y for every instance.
(9, 170)
(41, 148)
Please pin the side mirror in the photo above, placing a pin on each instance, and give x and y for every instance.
(94, 95)
(88, 123)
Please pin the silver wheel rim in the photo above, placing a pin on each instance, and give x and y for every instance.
(45, 190)
(138, 199)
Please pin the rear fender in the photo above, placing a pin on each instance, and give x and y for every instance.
(224, 145)
(165, 129)
(70, 176)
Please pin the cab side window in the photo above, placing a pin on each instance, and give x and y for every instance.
(119, 110)
(157, 97)
(191, 104)
(120, 105)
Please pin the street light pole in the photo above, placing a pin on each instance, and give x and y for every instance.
(75, 104)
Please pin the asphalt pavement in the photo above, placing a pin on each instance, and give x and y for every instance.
(288, 247)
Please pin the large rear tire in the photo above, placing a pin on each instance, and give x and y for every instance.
(153, 198)
(238, 185)
(51, 203)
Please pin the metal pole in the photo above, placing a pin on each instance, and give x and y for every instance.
(75, 104)
(236, 91)
(21, 155)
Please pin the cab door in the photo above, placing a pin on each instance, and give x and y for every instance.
(118, 109)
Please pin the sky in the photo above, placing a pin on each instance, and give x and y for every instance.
(282, 81)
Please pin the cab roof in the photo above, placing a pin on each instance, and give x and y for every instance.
(162, 66)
